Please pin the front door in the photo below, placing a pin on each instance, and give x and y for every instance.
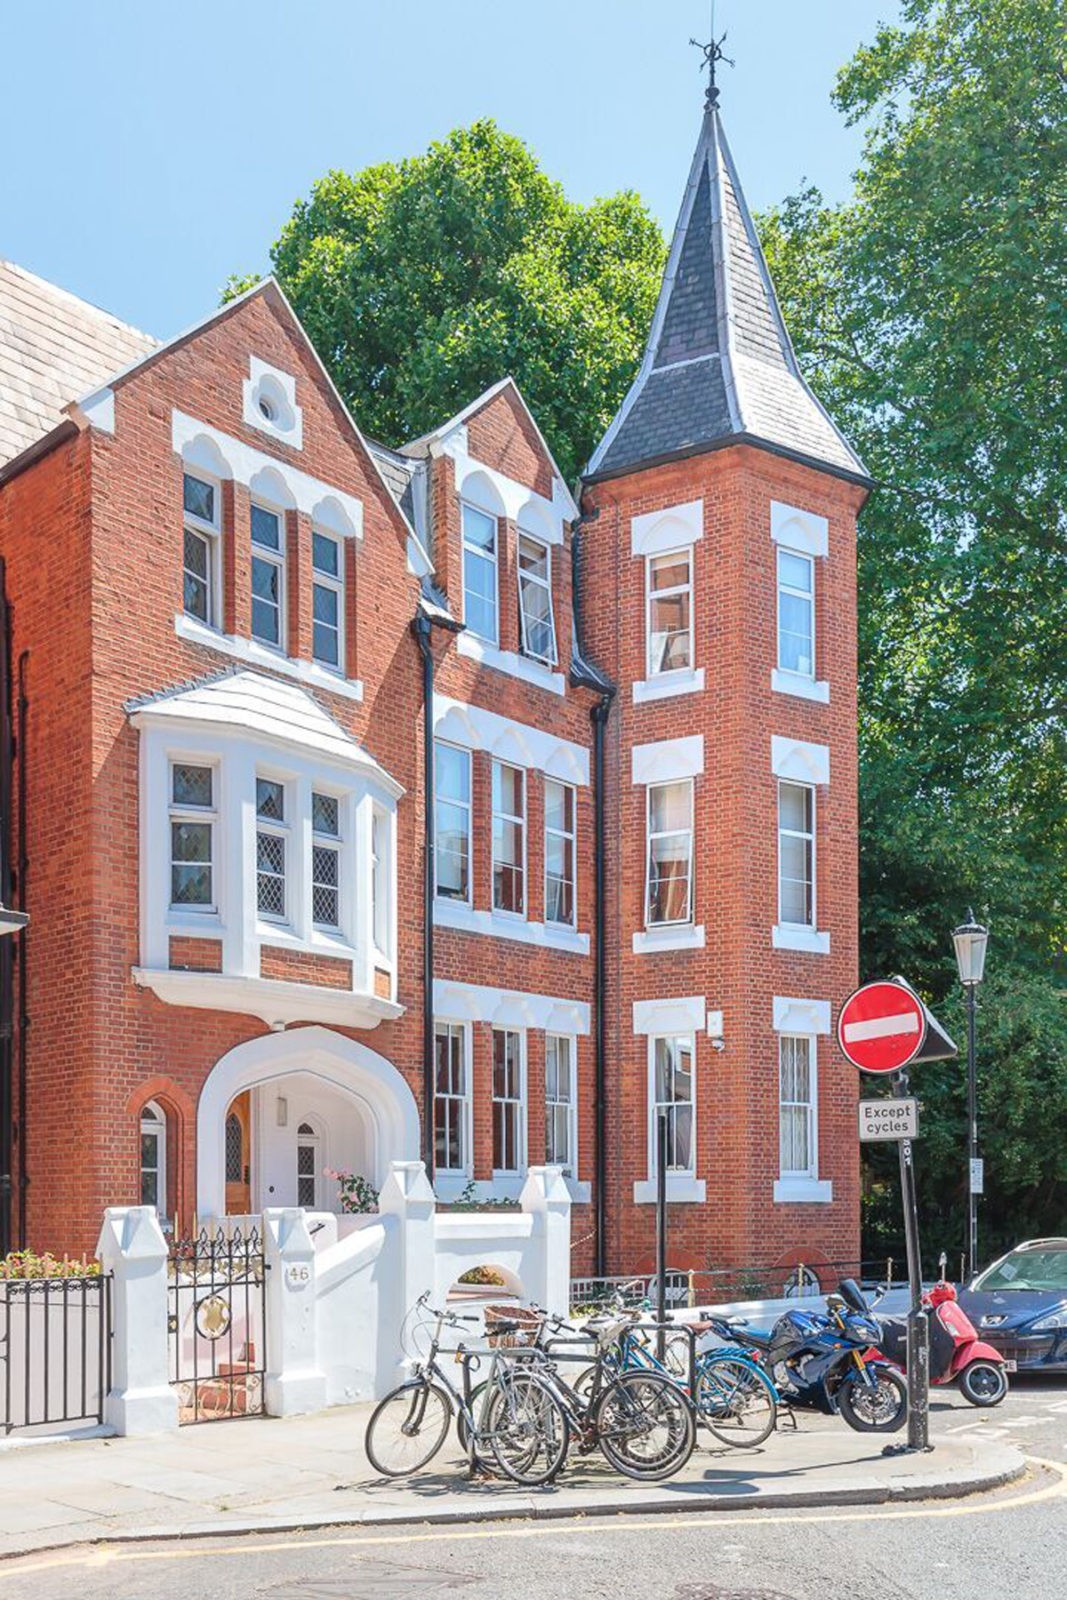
(239, 1156)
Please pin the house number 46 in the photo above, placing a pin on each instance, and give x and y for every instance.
(297, 1274)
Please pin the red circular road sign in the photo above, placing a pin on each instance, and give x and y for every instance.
(881, 1027)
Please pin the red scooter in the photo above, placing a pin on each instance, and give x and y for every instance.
(957, 1355)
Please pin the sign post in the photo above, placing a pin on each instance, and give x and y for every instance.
(881, 1028)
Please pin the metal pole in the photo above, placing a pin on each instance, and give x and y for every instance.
(661, 1228)
(972, 1134)
(918, 1357)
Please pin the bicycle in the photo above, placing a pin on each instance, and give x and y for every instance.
(518, 1422)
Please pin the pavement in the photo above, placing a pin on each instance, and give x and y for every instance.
(263, 1474)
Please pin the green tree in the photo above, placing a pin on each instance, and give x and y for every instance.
(424, 282)
(931, 315)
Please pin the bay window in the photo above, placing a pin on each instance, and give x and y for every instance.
(192, 837)
(452, 822)
(325, 860)
(536, 620)
(798, 1156)
(669, 888)
(559, 852)
(508, 1141)
(271, 843)
(509, 838)
(268, 577)
(671, 1066)
(200, 549)
(480, 534)
(796, 854)
(670, 612)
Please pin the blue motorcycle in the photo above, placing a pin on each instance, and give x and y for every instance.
(830, 1360)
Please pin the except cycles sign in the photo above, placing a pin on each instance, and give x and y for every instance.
(881, 1027)
(888, 1119)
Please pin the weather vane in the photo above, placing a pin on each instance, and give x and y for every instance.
(712, 53)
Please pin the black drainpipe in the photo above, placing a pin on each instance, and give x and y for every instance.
(422, 628)
(600, 714)
(7, 954)
(21, 889)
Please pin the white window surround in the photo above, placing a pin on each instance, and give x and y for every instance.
(277, 559)
(268, 402)
(475, 555)
(253, 654)
(809, 941)
(503, 925)
(686, 1015)
(522, 1101)
(218, 453)
(518, 743)
(666, 685)
(803, 688)
(668, 529)
(799, 530)
(800, 762)
(668, 936)
(568, 1102)
(668, 760)
(451, 1181)
(204, 726)
(792, 1015)
(797, 1188)
(534, 513)
(508, 1008)
(509, 662)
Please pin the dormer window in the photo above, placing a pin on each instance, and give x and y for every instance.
(480, 573)
(536, 619)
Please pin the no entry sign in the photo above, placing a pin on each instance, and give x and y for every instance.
(881, 1027)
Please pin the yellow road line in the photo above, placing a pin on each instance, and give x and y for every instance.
(557, 1527)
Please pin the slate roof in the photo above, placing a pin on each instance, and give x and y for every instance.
(53, 349)
(719, 365)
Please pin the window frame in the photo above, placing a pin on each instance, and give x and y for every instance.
(210, 531)
(283, 831)
(468, 548)
(514, 820)
(572, 837)
(652, 671)
(570, 1166)
(518, 1102)
(671, 922)
(811, 1106)
(278, 559)
(154, 1125)
(335, 584)
(312, 1140)
(689, 1037)
(462, 1032)
(812, 840)
(183, 812)
(798, 594)
(335, 843)
(466, 805)
(537, 582)
(382, 879)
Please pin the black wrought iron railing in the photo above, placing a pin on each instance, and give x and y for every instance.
(55, 1350)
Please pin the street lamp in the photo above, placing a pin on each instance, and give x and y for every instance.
(970, 940)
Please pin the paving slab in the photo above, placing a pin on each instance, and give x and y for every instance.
(282, 1474)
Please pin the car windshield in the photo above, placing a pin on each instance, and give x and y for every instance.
(1028, 1269)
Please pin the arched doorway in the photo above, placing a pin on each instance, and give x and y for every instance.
(359, 1107)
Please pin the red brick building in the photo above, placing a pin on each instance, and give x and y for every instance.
(272, 920)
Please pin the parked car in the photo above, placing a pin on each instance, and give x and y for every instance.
(1019, 1305)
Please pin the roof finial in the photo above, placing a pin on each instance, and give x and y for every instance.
(712, 53)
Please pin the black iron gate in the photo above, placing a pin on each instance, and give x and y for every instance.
(55, 1350)
(217, 1322)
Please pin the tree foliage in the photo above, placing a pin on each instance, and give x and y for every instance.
(931, 314)
(424, 282)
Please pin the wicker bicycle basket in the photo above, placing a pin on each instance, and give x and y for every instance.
(500, 1317)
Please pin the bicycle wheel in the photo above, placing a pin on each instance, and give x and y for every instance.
(735, 1401)
(526, 1428)
(407, 1428)
(645, 1426)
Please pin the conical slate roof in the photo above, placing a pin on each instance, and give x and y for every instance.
(719, 367)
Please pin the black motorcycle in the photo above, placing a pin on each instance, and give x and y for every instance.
(830, 1361)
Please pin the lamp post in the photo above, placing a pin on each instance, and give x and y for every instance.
(970, 940)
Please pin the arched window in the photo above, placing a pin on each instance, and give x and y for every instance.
(234, 1149)
(307, 1167)
(154, 1158)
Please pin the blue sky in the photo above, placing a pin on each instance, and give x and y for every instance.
(148, 149)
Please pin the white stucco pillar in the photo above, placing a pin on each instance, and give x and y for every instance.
(294, 1382)
(546, 1197)
(132, 1248)
(407, 1197)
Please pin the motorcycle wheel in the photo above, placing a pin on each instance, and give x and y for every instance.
(882, 1409)
(984, 1383)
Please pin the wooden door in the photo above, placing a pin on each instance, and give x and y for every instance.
(239, 1156)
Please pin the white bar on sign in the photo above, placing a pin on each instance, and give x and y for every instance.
(881, 1027)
